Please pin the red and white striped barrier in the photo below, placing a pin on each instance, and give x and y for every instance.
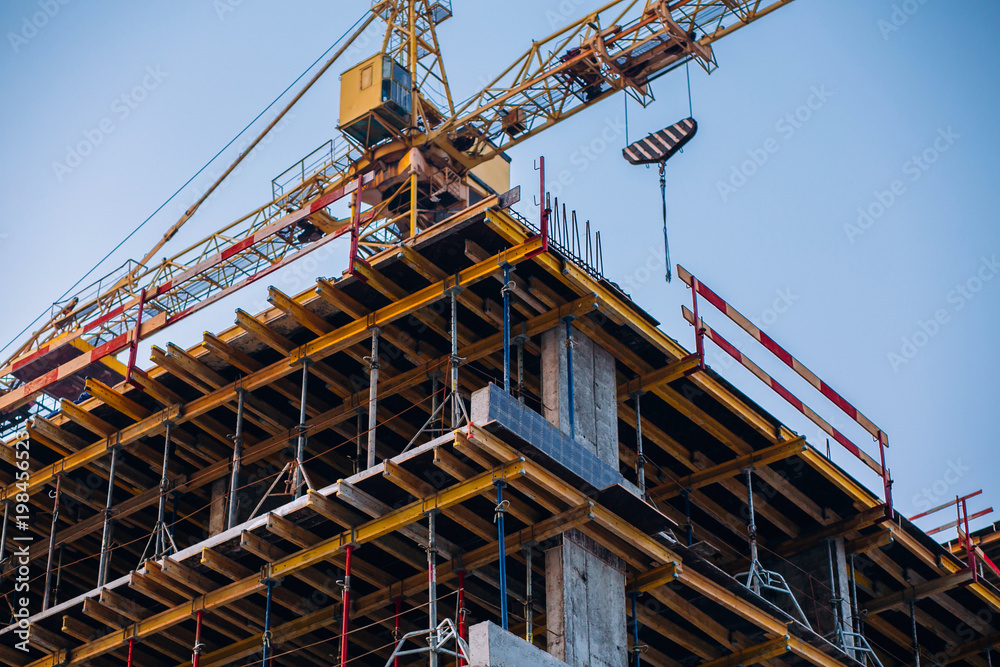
(731, 350)
(702, 330)
(782, 354)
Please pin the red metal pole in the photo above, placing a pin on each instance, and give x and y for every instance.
(395, 630)
(886, 479)
(131, 643)
(699, 334)
(347, 603)
(462, 630)
(355, 226)
(196, 656)
(968, 544)
(133, 353)
(543, 204)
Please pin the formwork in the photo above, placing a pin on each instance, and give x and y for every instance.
(352, 472)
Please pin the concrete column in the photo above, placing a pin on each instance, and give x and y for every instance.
(585, 603)
(217, 510)
(842, 573)
(595, 400)
(492, 646)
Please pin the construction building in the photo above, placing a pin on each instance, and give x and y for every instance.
(470, 448)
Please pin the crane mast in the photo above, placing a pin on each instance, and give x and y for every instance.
(409, 157)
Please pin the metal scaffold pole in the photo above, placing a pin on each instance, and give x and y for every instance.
(300, 449)
(640, 459)
(102, 569)
(161, 540)
(432, 613)
(463, 629)
(505, 291)
(636, 650)
(196, 654)
(234, 480)
(502, 549)
(52, 542)
(345, 617)
(373, 366)
(266, 635)
(528, 611)
(569, 374)
(457, 406)
(520, 340)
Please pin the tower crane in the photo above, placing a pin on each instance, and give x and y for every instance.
(409, 156)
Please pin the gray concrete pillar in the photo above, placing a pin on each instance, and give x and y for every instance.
(595, 399)
(841, 572)
(585, 603)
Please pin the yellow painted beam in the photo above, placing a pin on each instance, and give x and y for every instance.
(753, 654)
(317, 349)
(307, 557)
(729, 468)
(672, 371)
(918, 592)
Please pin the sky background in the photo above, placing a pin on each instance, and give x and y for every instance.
(819, 112)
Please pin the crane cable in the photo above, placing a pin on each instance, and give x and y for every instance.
(663, 177)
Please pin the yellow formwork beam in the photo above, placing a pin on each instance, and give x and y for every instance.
(656, 551)
(753, 654)
(711, 475)
(315, 350)
(239, 589)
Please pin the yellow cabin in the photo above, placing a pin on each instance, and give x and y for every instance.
(375, 100)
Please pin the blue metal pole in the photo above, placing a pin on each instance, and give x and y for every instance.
(569, 375)
(503, 554)
(506, 327)
(635, 627)
(267, 626)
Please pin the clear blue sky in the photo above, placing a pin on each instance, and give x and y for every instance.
(902, 124)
